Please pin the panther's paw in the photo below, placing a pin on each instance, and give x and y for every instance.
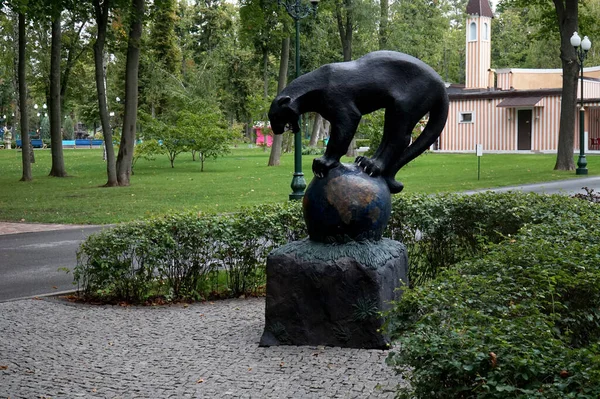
(322, 165)
(369, 166)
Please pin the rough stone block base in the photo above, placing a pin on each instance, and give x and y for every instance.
(331, 294)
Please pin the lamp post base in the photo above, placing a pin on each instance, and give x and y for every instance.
(582, 166)
(298, 186)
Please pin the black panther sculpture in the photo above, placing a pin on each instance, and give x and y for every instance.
(343, 92)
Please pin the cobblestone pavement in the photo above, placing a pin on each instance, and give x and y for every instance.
(55, 349)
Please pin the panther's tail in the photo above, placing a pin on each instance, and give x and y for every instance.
(438, 115)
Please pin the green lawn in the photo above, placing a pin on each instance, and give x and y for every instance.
(239, 179)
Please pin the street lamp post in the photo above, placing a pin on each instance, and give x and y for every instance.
(581, 48)
(298, 11)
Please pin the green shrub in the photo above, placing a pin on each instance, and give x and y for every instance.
(362, 142)
(115, 263)
(307, 150)
(181, 256)
(441, 230)
(517, 318)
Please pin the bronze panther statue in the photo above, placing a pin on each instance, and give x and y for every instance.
(343, 92)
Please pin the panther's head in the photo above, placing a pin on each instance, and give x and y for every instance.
(282, 116)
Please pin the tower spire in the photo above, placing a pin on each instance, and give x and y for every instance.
(480, 7)
(478, 44)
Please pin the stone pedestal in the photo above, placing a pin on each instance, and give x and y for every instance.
(331, 294)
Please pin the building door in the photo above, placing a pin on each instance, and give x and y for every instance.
(524, 129)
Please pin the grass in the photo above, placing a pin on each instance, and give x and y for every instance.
(239, 179)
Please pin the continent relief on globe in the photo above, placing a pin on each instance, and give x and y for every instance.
(346, 205)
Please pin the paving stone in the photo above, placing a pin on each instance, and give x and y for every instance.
(62, 350)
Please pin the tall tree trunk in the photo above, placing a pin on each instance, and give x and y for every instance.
(326, 128)
(345, 22)
(344, 15)
(131, 94)
(25, 144)
(567, 15)
(316, 130)
(71, 59)
(58, 162)
(275, 156)
(265, 52)
(101, 12)
(16, 115)
(383, 23)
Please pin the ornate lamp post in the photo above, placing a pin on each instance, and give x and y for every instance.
(581, 48)
(298, 11)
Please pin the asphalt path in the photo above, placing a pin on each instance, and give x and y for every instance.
(30, 263)
(566, 187)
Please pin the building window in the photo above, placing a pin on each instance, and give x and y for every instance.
(473, 31)
(465, 117)
(485, 31)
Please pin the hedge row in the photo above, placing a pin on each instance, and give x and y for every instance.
(186, 253)
(441, 230)
(184, 256)
(518, 318)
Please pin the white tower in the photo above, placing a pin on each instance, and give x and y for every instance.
(479, 51)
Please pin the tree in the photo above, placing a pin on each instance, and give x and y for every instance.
(567, 13)
(69, 129)
(163, 41)
(506, 51)
(209, 136)
(74, 45)
(275, 156)
(21, 9)
(25, 143)
(344, 12)
(45, 128)
(420, 28)
(173, 139)
(101, 11)
(125, 157)
(164, 59)
(316, 130)
(54, 104)
(213, 21)
(566, 20)
(384, 23)
(8, 52)
(147, 149)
